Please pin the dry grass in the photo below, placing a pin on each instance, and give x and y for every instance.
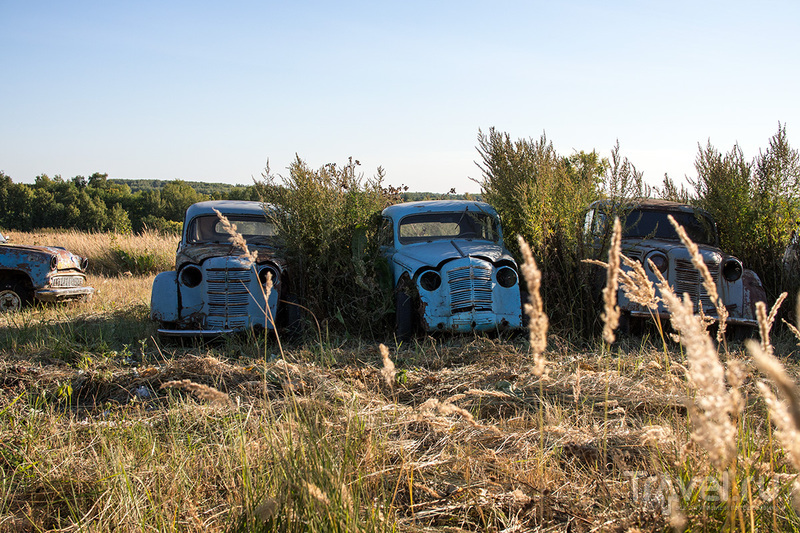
(110, 253)
(468, 437)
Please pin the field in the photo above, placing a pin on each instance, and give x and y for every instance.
(105, 427)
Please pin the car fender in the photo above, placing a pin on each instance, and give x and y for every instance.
(164, 302)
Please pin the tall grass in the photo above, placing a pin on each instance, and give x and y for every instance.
(110, 253)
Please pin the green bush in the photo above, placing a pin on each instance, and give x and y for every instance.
(543, 196)
(756, 205)
(330, 219)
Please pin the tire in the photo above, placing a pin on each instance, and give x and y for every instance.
(14, 295)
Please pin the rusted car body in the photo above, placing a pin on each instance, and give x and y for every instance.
(40, 273)
(215, 288)
(450, 269)
(648, 235)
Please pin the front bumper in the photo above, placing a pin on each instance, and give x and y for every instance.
(63, 293)
(473, 321)
(732, 320)
(195, 333)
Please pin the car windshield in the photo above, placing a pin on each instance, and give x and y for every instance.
(444, 226)
(209, 229)
(649, 224)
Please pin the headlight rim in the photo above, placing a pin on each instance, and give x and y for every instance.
(736, 275)
(499, 279)
(663, 267)
(190, 276)
(430, 280)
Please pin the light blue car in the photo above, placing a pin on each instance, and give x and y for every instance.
(214, 288)
(450, 269)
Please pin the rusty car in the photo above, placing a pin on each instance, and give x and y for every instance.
(216, 288)
(450, 269)
(649, 238)
(40, 273)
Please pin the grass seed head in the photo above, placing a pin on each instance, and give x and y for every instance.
(388, 371)
(537, 319)
(708, 281)
(611, 311)
(204, 392)
(236, 238)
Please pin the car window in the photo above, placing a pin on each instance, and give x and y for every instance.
(435, 226)
(209, 229)
(646, 223)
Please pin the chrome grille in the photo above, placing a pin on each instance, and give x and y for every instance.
(470, 288)
(688, 280)
(67, 281)
(228, 297)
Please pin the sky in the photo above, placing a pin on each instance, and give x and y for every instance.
(213, 91)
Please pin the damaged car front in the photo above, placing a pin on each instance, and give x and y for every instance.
(648, 236)
(450, 269)
(217, 287)
(40, 273)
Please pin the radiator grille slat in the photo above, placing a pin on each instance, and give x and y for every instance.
(688, 280)
(470, 288)
(228, 297)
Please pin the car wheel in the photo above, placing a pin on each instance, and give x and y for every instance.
(13, 296)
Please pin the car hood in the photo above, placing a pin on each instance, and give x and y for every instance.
(436, 253)
(197, 253)
(631, 246)
(66, 259)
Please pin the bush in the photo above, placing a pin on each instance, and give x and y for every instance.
(756, 205)
(329, 219)
(543, 196)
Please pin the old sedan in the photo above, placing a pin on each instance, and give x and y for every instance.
(450, 269)
(216, 288)
(40, 273)
(649, 238)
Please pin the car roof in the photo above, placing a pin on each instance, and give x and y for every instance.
(437, 206)
(227, 207)
(648, 203)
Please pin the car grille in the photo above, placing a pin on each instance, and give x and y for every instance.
(470, 288)
(228, 297)
(688, 280)
(67, 281)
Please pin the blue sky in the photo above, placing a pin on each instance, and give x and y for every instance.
(209, 92)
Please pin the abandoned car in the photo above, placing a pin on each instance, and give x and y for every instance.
(216, 288)
(450, 269)
(647, 234)
(40, 273)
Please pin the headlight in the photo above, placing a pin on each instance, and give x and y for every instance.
(659, 260)
(84, 263)
(506, 277)
(191, 276)
(430, 280)
(732, 269)
(53, 262)
(263, 272)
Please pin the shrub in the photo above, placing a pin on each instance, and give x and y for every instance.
(543, 196)
(329, 219)
(756, 204)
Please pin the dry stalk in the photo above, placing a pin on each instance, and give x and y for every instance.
(204, 392)
(316, 493)
(611, 311)
(715, 406)
(636, 285)
(236, 238)
(388, 371)
(708, 281)
(766, 321)
(445, 408)
(537, 319)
